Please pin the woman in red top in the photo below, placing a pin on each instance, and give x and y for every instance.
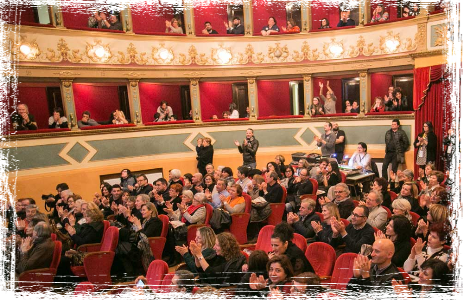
(292, 27)
(379, 105)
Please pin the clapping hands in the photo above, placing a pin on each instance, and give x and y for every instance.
(362, 266)
(26, 244)
(257, 283)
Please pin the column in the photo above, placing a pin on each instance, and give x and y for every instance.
(195, 100)
(67, 95)
(56, 15)
(126, 19)
(248, 21)
(134, 102)
(308, 95)
(365, 101)
(189, 18)
(366, 16)
(306, 16)
(253, 100)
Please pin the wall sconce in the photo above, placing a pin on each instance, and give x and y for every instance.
(98, 52)
(392, 45)
(28, 50)
(162, 55)
(336, 50)
(222, 56)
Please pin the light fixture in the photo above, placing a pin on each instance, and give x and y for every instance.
(224, 56)
(454, 58)
(25, 49)
(99, 51)
(164, 53)
(392, 44)
(336, 50)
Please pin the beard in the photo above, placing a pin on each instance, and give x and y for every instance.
(335, 129)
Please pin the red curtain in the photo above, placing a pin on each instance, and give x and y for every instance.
(431, 103)
(215, 98)
(100, 101)
(269, 104)
(263, 9)
(216, 14)
(379, 85)
(36, 100)
(151, 96)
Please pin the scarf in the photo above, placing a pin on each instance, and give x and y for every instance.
(191, 210)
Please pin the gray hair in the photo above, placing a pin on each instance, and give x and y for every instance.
(379, 196)
(408, 173)
(43, 230)
(68, 192)
(188, 194)
(175, 173)
(458, 234)
(200, 197)
(145, 198)
(32, 206)
(344, 187)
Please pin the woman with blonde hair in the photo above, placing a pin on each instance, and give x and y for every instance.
(205, 237)
(402, 207)
(173, 26)
(323, 231)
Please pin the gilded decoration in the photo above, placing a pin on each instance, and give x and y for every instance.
(305, 54)
(66, 73)
(132, 57)
(133, 74)
(334, 49)
(63, 53)
(390, 43)
(440, 33)
(26, 50)
(98, 52)
(162, 55)
(278, 53)
(222, 55)
(420, 36)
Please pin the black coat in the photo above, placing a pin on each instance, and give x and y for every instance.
(356, 238)
(205, 156)
(376, 280)
(89, 234)
(222, 272)
(304, 227)
(298, 260)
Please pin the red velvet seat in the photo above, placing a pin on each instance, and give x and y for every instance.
(336, 115)
(240, 221)
(346, 222)
(415, 218)
(167, 282)
(191, 232)
(322, 257)
(97, 246)
(389, 214)
(278, 209)
(320, 215)
(315, 186)
(157, 246)
(263, 240)
(356, 202)
(393, 195)
(343, 271)
(343, 177)
(165, 225)
(300, 241)
(84, 288)
(155, 274)
(97, 265)
(405, 275)
(412, 242)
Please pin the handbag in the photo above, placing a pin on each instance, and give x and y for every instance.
(220, 219)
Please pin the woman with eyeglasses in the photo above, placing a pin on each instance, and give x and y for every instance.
(288, 178)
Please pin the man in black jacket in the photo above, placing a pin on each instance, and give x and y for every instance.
(272, 190)
(249, 149)
(142, 186)
(396, 144)
(235, 27)
(301, 222)
(205, 156)
(377, 272)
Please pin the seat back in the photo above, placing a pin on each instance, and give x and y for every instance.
(110, 239)
(343, 177)
(405, 276)
(374, 168)
(239, 227)
(393, 195)
(322, 257)
(209, 210)
(278, 209)
(167, 282)
(56, 255)
(157, 246)
(346, 222)
(415, 218)
(53, 237)
(248, 201)
(343, 271)
(412, 241)
(263, 240)
(315, 186)
(97, 266)
(300, 241)
(191, 232)
(155, 274)
(356, 203)
(83, 288)
(165, 225)
(389, 214)
(285, 194)
(320, 215)
(105, 227)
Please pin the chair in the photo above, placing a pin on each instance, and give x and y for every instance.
(97, 265)
(343, 271)
(53, 237)
(300, 241)
(228, 293)
(389, 214)
(191, 230)
(405, 275)
(343, 177)
(446, 247)
(240, 221)
(263, 240)
(415, 218)
(84, 288)
(375, 229)
(320, 215)
(322, 257)
(167, 282)
(393, 195)
(165, 225)
(374, 168)
(118, 288)
(40, 280)
(155, 274)
(346, 222)
(157, 246)
(329, 296)
(278, 209)
(315, 186)
(96, 246)
(356, 203)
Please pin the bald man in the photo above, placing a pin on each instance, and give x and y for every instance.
(377, 272)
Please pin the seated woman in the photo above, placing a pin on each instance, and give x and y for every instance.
(226, 268)
(331, 176)
(117, 117)
(234, 203)
(186, 213)
(270, 27)
(403, 176)
(420, 253)
(380, 184)
(324, 24)
(280, 161)
(127, 180)
(399, 231)
(58, 120)
(361, 159)
(292, 27)
(174, 177)
(434, 277)
(173, 26)
(92, 231)
(134, 241)
(226, 115)
(302, 164)
(324, 231)
(348, 109)
(288, 177)
(306, 283)
(174, 198)
(379, 105)
(401, 207)
(316, 108)
(280, 271)
(379, 15)
(408, 192)
(205, 238)
(281, 242)
(233, 112)
(164, 111)
(412, 13)
(437, 214)
(257, 265)
(272, 167)
(209, 182)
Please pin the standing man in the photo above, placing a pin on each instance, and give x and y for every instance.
(450, 152)
(327, 140)
(235, 27)
(340, 142)
(249, 149)
(396, 144)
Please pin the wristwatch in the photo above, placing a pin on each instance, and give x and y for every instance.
(201, 258)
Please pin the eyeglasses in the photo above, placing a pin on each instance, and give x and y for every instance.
(338, 192)
(358, 216)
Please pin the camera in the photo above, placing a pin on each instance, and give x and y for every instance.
(45, 197)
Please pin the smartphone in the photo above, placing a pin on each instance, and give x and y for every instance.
(140, 284)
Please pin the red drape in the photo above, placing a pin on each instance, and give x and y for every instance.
(36, 100)
(323, 9)
(431, 103)
(269, 103)
(379, 85)
(263, 9)
(100, 101)
(215, 98)
(151, 96)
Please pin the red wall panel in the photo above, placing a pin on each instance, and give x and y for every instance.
(263, 9)
(36, 100)
(322, 9)
(76, 13)
(100, 101)
(215, 98)
(379, 85)
(151, 96)
(16, 11)
(216, 14)
(149, 17)
(335, 85)
(274, 98)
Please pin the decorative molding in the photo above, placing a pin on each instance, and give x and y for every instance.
(194, 74)
(133, 74)
(66, 73)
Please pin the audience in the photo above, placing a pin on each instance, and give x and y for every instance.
(113, 24)
(270, 27)
(330, 99)
(173, 26)
(234, 27)
(399, 231)
(316, 108)
(324, 24)
(324, 231)
(302, 221)
(22, 119)
(279, 271)
(426, 145)
(86, 121)
(379, 15)
(377, 216)
(117, 117)
(380, 185)
(205, 238)
(165, 112)
(58, 120)
(379, 105)
(208, 28)
(345, 19)
(291, 27)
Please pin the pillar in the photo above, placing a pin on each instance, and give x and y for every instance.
(308, 95)
(253, 100)
(134, 102)
(69, 106)
(306, 16)
(365, 101)
(189, 18)
(195, 100)
(248, 21)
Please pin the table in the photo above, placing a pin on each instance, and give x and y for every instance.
(360, 178)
